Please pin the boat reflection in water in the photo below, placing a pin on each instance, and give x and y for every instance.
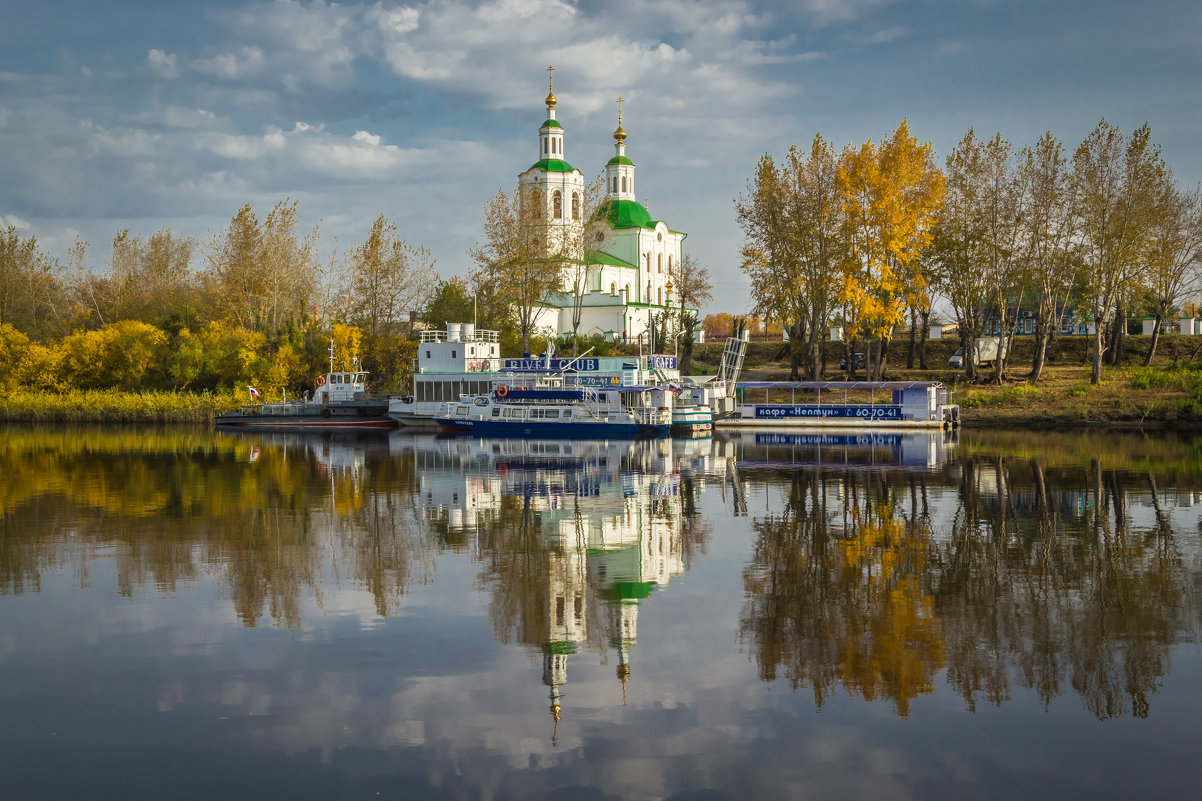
(511, 617)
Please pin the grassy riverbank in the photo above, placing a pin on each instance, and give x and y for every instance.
(112, 406)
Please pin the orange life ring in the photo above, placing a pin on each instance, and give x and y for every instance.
(502, 391)
(321, 381)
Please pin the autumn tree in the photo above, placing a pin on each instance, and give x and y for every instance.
(577, 248)
(890, 196)
(386, 278)
(1174, 255)
(1046, 240)
(1117, 184)
(516, 263)
(1001, 207)
(264, 273)
(149, 279)
(793, 248)
(31, 289)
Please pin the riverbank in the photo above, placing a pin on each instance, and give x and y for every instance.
(112, 406)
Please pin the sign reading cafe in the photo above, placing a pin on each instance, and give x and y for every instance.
(778, 411)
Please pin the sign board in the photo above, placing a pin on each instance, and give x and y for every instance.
(828, 440)
(590, 365)
(795, 411)
(661, 362)
(598, 381)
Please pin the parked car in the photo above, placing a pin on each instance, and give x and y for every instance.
(858, 359)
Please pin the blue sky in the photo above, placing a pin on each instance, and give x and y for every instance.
(143, 114)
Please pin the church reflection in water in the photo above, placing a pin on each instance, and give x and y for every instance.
(574, 535)
(883, 565)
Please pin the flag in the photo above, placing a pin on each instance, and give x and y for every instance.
(254, 393)
(675, 389)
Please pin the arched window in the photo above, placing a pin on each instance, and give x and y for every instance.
(613, 288)
(615, 189)
(660, 294)
(647, 258)
(623, 183)
(659, 263)
(628, 293)
(575, 205)
(545, 151)
(556, 204)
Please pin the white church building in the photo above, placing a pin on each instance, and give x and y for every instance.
(628, 279)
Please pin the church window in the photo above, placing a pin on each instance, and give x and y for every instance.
(647, 259)
(615, 189)
(660, 294)
(545, 151)
(556, 204)
(613, 288)
(659, 263)
(628, 292)
(575, 205)
(623, 183)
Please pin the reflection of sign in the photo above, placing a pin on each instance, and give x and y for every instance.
(599, 381)
(787, 411)
(582, 365)
(662, 362)
(828, 440)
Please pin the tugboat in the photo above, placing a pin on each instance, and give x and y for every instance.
(339, 401)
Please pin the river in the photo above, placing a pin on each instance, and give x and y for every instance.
(190, 614)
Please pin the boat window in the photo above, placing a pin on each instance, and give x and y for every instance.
(461, 411)
(536, 413)
(567, 412)
(582, 413)
(551, 414)
(496, 411)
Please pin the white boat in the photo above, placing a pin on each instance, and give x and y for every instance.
(843, 404)
(465, 361)
(546, 406)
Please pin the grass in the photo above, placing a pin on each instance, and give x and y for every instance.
(112, 406)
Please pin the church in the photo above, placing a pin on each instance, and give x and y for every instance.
(627, 282)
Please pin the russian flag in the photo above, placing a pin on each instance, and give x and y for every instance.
(254, 393)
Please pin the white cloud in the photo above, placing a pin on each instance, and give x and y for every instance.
(364, 136)
(163, 65)
(14, 221)
(232, 66)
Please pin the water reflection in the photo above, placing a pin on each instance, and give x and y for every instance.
(884, 566)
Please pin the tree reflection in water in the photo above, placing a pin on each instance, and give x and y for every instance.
(878, 565)
(1031, 574)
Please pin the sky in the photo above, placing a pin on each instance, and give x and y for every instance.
(142, 114)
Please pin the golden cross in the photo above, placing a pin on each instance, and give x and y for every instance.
(619, 110)
(550, 69)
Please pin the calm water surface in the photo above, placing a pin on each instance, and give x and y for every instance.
(195, 615)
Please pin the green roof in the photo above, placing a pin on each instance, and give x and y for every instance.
(601, 257)
(627, 214)
(629, 590)
(552, 165)
(550, 124)
(620, 160)
(559, 647)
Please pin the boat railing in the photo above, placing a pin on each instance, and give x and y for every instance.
(479, 335)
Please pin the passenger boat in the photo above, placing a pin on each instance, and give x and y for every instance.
(545, 407)
(843, 404)
(339, 401)
(465, 361)
(691, 415)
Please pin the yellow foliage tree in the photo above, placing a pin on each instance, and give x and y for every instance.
(347, 339)
(891, 195)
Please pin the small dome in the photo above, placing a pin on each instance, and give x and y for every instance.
(551, 101)
(620, 133)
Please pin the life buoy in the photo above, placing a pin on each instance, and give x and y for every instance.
(326, 413)
(321, 381)
(502, 391)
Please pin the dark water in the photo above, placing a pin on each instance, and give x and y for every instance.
(193, 615)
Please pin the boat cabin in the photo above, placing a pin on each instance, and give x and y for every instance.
(336, 387)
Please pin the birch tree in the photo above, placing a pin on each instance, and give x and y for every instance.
(1116, 183)
(1174, 255)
